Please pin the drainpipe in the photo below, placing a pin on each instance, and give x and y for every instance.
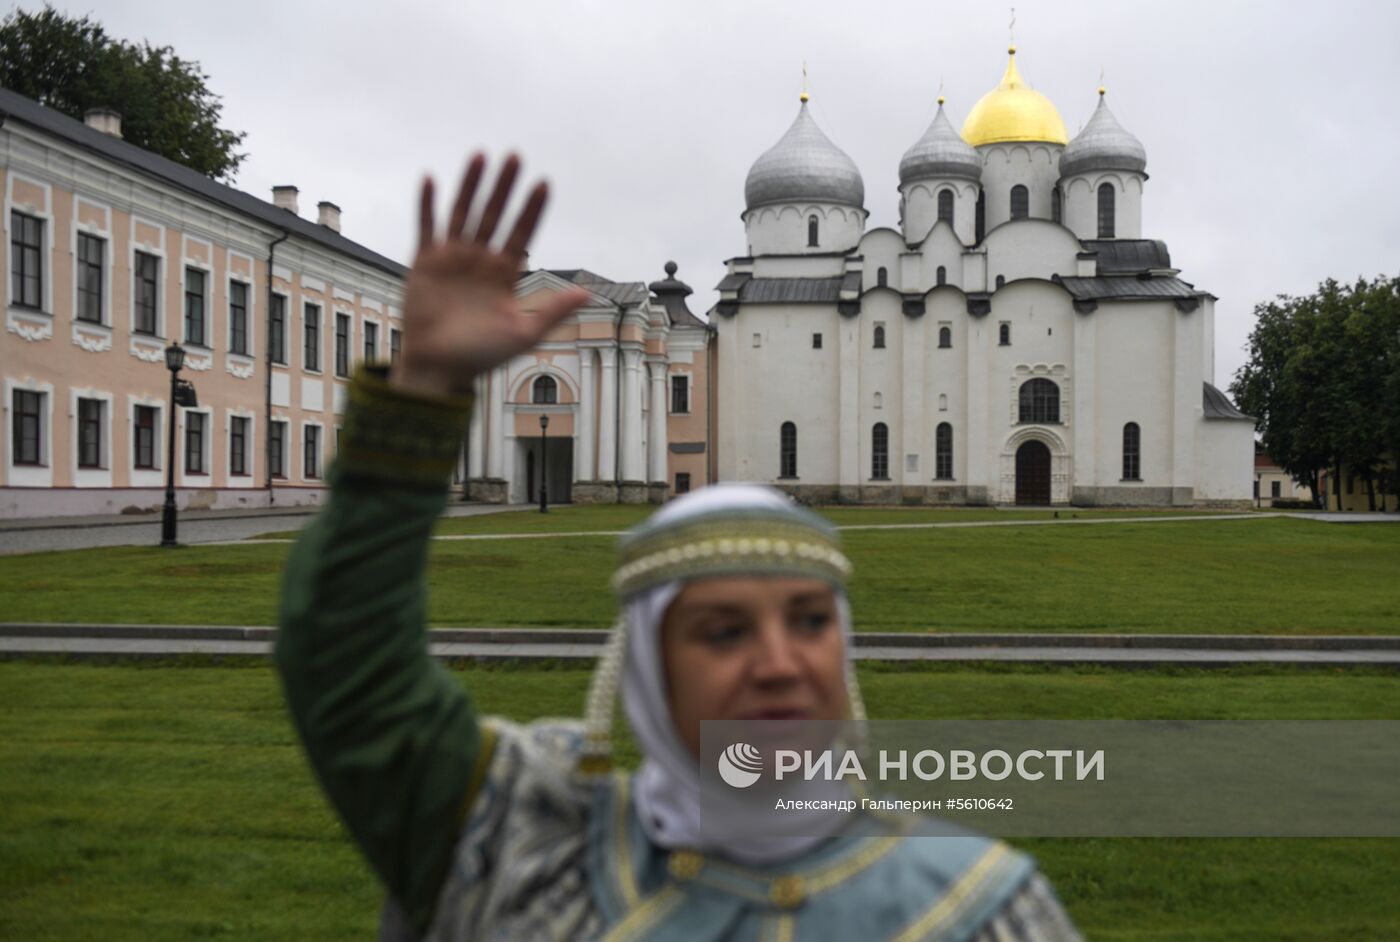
(267, 349)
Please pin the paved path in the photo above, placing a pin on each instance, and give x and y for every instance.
(503, 644)
(196, 527)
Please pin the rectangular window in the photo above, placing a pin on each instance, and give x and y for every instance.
(277, 449)
(143, 443)
(90, 433)
(395, 344)
(26, 260)
(277, 329)
(311, 346)
(342, 345)
(1276, 489)
(680, 394)
(816, 341)
(194, 443)
(682, 482)
(146, 292)
(238, 317)
(311, 452)
(371, 342)
(194, 306)
(238, 446)
(91, 251)
(28, 419)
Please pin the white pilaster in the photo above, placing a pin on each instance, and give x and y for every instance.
(633, 463)
(496, 433)
(607, 417)
(476, 434)
(656, 440)
(587, 409)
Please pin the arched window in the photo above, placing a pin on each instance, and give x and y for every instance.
(945, 337)
(880, 452)
(945, 206)
(1020, 202)
(546, 391)
(1040, 402)
(1132, 452)
(882, 277)
(1004, 337)
(1001, 281)
(1107, 199)
(811, 231)
(942, 402)
(879, 401)
(943, 452)
(787, 451)
(1056, 205)
(981, 220)
(942, 276)
(879, 337)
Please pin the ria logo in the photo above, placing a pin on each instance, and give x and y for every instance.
(740, 765)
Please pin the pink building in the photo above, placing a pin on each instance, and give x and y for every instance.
(114, 252)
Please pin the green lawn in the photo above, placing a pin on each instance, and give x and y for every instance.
(1260, 575)
(153, 803)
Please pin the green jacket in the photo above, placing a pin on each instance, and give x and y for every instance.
(390, 733)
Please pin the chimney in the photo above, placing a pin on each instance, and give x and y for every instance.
(285, 197)
(105, 120)
(329, 215)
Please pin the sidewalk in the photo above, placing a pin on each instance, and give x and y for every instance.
(488, 645)
(455, 508)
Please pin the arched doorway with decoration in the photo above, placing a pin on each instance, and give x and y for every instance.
(1033, 474)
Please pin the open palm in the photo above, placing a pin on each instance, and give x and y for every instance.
(461, 316)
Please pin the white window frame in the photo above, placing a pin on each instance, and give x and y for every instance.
(101, 476)
(162, 273)
(321, 458)
(689, 393)
(45, 213)
(147, 477)
(28, 475)
(186, 264)
(287, 447)
(206, 477)
(242, 359)
(320, 369)
(105, 322)
(250, 449)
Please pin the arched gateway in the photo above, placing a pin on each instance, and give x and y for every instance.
(1033, 474)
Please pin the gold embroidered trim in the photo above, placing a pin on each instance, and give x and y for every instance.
(948, 905)
(626, 879)
(657, 907)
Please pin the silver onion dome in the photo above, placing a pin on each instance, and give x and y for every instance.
(1103, 145)
(804, 166)
(941, 153)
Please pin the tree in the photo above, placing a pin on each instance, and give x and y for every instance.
(72, 65)
(1323, 380)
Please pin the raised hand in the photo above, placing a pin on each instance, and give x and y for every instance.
(460, 314)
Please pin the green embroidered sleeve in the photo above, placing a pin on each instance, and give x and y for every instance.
(390, 733)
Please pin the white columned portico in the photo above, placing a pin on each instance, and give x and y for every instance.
(632, 455)
(583, 451)
(656, 438)
(607, 416)
(496, 446)
(476, 435)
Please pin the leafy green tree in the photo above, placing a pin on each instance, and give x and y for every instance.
(71, 64)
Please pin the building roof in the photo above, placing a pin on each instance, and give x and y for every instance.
(1129, 256)
(804, 166)
(16, 107)
(618, 292)
(672, 292)
(790, 290)
(1103, 145)
(1013, 111)
(1129, 288)
(940, 154)
(1217, 405)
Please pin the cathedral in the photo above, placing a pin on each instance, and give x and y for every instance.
(1016, 341)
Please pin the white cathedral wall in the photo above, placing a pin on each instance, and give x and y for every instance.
(1030, 248)
(783, 379)
(1036, 166)
(946, 372)
(940, 248)
(815, 266)
(782, 229)
(881, 374)
(882, 248)
(1134, 380)
(1081, 204)
(1224, 467)
(920, 203)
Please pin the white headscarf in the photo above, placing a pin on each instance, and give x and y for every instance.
(669, 787)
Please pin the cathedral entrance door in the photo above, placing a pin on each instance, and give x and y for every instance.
(1033, 474)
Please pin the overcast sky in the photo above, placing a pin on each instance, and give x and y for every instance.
(1271, 128)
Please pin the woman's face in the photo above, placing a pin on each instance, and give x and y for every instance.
(747, 648)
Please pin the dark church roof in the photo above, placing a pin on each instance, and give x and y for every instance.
(1217, 405)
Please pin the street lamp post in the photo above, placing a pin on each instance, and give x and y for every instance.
(544, 464)
(174, 361)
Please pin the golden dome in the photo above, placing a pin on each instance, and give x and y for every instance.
(1013, 111)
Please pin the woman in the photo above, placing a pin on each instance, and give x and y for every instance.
(733, 608)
